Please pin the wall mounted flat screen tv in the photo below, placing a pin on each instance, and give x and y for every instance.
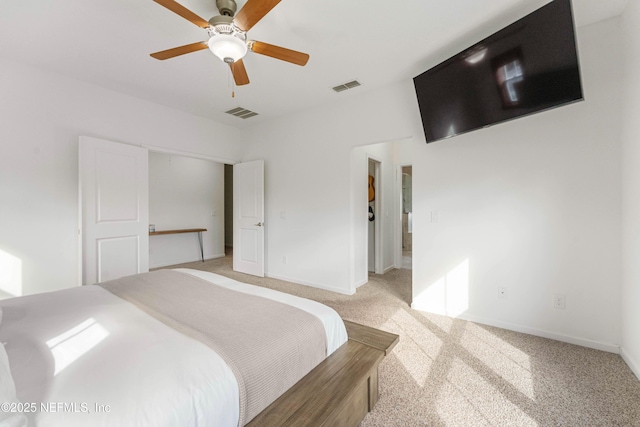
(527, 67)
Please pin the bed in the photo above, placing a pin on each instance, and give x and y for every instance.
(143, 350)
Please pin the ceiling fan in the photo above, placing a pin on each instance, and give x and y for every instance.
(228, 35)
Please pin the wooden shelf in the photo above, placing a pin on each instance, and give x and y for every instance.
(186, 230)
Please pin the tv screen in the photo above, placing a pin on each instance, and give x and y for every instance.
(527, 67)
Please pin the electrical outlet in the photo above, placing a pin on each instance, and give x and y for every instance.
(502, 292)
(559, 301)
(434, 216)
(284, 259)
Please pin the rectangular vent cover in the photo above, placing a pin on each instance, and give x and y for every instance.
(243, 113)
(345, 86)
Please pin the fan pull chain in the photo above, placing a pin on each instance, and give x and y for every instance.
(232, 83)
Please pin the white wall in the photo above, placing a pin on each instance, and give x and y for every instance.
(532, 205)
(308, 174)
(631, 191)
(184, 193)
(43, 116)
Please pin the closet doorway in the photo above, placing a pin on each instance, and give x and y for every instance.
(185, 193)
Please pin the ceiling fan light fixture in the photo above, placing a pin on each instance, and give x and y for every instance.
(229, 48)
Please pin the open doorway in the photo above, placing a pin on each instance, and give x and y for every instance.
(186, 193)
(377, 234)
(375, 240)
(228, 210)
(407, 220)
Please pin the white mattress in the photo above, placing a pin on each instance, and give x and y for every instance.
(83, 349)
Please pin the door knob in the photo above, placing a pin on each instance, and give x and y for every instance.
(260, 224)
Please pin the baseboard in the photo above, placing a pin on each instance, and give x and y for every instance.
(311, 284)
(388, 269)
(185, 261)
(584, 342)
(6, 295)
(418, 307)
(633, 365)
(362, 282)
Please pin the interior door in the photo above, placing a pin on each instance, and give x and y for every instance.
(114, 199)
(248, 218)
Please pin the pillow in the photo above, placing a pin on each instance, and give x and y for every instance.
(8, 394)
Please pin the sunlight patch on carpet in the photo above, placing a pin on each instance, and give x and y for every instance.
(419, 347)
(485, 398)
(504, 366)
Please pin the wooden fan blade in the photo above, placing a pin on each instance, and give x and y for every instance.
(252, 12)
(177, 51)
(278, 52)
(184, 12)
(239, 73)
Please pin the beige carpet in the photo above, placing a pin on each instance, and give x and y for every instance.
(447, 372)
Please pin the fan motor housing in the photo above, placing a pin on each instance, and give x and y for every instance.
(222, 24)
(227, 7)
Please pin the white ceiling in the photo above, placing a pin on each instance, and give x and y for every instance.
(108, 42)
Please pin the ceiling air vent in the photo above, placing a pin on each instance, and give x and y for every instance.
(243, 113)
(346, 86)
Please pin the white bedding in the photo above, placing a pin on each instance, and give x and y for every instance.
(83, 350)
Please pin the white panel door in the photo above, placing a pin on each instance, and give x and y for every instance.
(248, 218)
(114, 199)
